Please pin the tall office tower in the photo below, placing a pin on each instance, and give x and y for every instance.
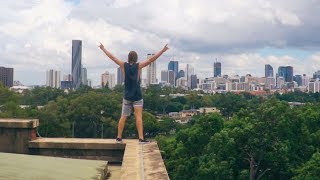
(89, 83)
(172, 78)
(268, 71)
(107, 79)
(120, 76)
(305, 80)
(286, 72)
(53, 79)
(180, 74)
(298, 79)
(151, 72)
(84, 79)
(112, 81)
(164, 76)
(6, 76)
(189, 71)
(217, 69)
(316, 75)
(174, 66)
(76, 63)
(194, 82)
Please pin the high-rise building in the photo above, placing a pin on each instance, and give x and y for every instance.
(298, 79)
(164, 76)
(305, 80)
(84, 79)
(151, 72)
(180, 74)
(194, 82)
(89, 83)
(217, 69)
(107, 79)
(189, 71)
(286, 72)
(314, 87)
(171, 77)
(174, 66)
(268, 71)
(6, 76)
(120, 76)
(53, 79)
(76, 63)
(316, 75)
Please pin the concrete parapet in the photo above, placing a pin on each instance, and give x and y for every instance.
(79, 148)
(16, 133)
(142, 161)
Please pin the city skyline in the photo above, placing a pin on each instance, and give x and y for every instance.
(244, 36)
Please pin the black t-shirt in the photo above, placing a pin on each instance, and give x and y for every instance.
(132, 81)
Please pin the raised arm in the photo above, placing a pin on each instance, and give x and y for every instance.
(154, 57)
(111, 56)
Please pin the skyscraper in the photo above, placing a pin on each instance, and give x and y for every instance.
(151, 72)
(76, 63)
(120, 76)
(193, 81)
(268, 70)
(180, 74)
(298, 79)
(189, 71)
(174, 66)
(107, 79)
(217, 69)
(171, 77)
(316, 75)
(6, 76)
(164, 76)
(286, 72)
(84, 79)
(53, 79)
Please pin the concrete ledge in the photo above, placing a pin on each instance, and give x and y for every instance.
(76, 143)
(19, 123)
(143, 161)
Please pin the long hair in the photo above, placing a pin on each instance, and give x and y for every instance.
(132, 57)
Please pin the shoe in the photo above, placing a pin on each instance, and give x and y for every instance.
(119, 140)
(143, 141)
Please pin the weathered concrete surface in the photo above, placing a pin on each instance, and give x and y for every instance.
(76, 143)
(28, 167)
(78, 148)
(142, 161)
(154, 167)
(16, 133)
(19, 123)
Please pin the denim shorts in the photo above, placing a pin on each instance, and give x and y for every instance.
(128, 106)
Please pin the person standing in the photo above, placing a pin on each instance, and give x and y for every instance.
(132, 100)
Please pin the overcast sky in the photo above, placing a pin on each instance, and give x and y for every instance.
(244, 35)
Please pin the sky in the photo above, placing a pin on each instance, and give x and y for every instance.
(36, 35)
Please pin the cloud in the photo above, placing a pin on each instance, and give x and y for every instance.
(36, 35)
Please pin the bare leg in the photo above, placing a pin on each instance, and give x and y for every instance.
(121, 124)
(138, 115)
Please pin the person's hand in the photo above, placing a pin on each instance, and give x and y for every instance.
(101, 46)
(165, 48)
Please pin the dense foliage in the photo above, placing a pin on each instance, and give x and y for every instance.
(270, 141)
(252, 138)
